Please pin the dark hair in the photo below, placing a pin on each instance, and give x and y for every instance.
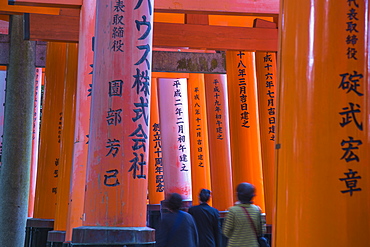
(174, 202)
(204, 195)
(245, 192)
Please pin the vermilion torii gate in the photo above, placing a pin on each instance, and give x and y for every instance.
(257, 38)
(323, 105)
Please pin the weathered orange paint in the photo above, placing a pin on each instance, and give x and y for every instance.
(155, 169)
(49, 152)
(116, 180)
(323, 105)
(4, 7)
(169, 75)
(266, 78)
(200, 165)
(66, 144)
(35, 141)
(237, 21)
(219, 140)
(82, 120)
(244, 122)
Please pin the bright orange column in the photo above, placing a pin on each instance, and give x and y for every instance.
(82, 119)
(66, 144)
(155, 169)
(35, 141)
(51, 124)
(219, 140)
(323, 140)
(266, 78)
(174, 118)
(116, 180)
(246, 157)
(200, 169)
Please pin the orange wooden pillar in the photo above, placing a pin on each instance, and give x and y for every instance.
(200, 165)
(174, 118)
(155, 165)
(244, 122)
(266, 78)
(219, 140)
(82, 119)
(35, 140)
(66, 146)
(49, 148)
(116, 180)
(323, 176)
(51, 124)
(155, 169)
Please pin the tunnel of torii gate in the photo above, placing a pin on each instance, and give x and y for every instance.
(110, 105)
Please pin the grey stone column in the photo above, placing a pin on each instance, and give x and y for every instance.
(16, 158)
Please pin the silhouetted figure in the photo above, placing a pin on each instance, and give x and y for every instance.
(206, 219)
(237, 226)
(176, 228)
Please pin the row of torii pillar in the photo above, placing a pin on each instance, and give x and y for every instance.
(319, 178)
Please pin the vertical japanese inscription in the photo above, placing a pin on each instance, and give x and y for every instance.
(350, 82)
(181, 140)
(244, 115)
(271, 95)
(141, 88)
(199, 140)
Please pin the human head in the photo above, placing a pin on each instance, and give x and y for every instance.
(174, 202)
(245, 192)
(204, 195)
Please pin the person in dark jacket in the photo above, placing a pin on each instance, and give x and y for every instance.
(176, 228)
(206, 219)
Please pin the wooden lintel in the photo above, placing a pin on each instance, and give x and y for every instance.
(163, 61)
(51, 28)
(215, 37)
(48, 3)
(222, 7)
(66, 28)
(231, 7)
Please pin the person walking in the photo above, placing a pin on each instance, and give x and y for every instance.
(176, 228)
(207, 221)
(238, 226)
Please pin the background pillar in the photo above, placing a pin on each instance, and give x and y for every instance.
(174, 118)
(219, 141)
(246, 161)
(267, 101)
(66, 146)
(200, 169)
(35, 140)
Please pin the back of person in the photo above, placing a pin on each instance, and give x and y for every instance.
(176, 228)
(206, 219)
(181, 235)
(238, 228)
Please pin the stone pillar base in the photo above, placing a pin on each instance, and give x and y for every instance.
(37, 231)
(56, 238)
(153, 215)
(99, 236)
